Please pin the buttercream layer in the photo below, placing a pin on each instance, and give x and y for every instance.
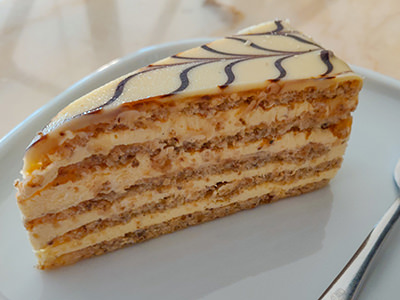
(218, 193)
(41, 232)
(146, 220)
(119, 179)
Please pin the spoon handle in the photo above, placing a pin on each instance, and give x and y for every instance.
(346, 285)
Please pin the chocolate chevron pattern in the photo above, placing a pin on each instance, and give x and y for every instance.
(232, 58)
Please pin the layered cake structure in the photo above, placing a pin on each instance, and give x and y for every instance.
(245, 120)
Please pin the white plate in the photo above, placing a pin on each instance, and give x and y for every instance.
(288, 250)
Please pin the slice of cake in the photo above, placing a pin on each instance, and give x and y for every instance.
(245, 120)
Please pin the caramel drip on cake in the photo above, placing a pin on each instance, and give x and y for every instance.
(248, 119)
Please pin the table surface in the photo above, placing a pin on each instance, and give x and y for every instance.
(48, 45)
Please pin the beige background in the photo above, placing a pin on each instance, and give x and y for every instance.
(47, 45)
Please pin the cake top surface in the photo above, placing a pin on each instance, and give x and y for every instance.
(253, 58)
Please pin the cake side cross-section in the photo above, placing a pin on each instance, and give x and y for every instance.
(247, 119)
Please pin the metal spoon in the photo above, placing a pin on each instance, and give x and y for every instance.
(347, 284)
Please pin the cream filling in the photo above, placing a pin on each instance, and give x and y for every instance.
(193, 128)
(72, 193)
(43, 233)
(159, 217)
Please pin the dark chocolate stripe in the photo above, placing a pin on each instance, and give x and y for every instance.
(229, 73)
(297, 38)
(278, 65)
(278, 30)
(117, 93)
(325, 59)
(194, 58)
(255, 46)
(290, 34)
(120, 89)
(205, 47)
(279, 26)
(183, 76)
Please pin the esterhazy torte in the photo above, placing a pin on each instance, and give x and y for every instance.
(245, 120)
